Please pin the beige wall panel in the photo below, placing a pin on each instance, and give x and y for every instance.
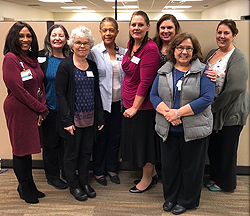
(203, 30)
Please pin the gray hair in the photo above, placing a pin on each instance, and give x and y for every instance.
(83, 32)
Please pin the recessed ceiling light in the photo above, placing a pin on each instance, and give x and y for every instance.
(62, 1)
(73, 7)
(172, 11)
(84, 11)
(173, 7)
(127, 6)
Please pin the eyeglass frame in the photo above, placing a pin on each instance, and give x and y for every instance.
(79, 44)
(181, 48)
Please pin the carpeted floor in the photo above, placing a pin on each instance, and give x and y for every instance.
(115, 200)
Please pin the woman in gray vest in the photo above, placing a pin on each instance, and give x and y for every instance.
(181, 95)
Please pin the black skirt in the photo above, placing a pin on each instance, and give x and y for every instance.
(139, 141)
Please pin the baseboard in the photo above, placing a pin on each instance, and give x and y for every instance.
(38, 164)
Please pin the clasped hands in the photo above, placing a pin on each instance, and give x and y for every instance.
(172, 117)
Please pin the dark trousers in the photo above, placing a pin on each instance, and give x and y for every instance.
(222, 153)
(22, 167)
(183, 166)
(106, 149)
(77, 153)
(53, 148)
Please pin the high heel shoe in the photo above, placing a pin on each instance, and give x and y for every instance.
(26, 194)
(155, 178)
(136, 190)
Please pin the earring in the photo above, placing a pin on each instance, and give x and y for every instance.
(30, 49)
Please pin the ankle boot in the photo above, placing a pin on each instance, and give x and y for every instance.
(34, 189)
(26, 194)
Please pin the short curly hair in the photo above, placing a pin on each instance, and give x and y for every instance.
(83, 32)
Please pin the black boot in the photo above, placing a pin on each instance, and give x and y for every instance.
(25, 193)
(34, 189)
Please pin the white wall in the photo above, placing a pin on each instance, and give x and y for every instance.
(233, 9)
(23, 13)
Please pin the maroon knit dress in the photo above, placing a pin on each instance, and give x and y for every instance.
(22, 104)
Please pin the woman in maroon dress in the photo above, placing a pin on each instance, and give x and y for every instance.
(24, 106)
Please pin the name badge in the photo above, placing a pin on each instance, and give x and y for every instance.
(119, 57)
(135, 60)
(178, 85)
(89, 74)
(26, 75)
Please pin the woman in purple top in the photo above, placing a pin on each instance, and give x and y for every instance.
(140, 65)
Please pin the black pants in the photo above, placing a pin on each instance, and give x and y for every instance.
(77, 153)
(53, 148)
(183, 166)
(106, 149)
(222, 152)
(22, 167)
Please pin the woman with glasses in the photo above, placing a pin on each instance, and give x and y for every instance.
(108, 57)
(181, 95)
(80, 111)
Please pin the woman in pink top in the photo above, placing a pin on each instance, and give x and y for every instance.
(140, 65)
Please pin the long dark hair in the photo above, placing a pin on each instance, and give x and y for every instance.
(131, 39)
(12, 40)
(47, 46)
(164, 17)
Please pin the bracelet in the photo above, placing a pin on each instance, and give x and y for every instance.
(177, 114)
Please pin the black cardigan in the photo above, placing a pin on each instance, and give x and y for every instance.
(65, 91)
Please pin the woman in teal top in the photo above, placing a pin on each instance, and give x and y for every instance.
(55, 50)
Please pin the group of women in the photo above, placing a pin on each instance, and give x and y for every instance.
(160, 91)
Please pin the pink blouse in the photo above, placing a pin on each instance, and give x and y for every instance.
(140, 71)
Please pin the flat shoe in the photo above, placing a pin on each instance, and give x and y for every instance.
(167, 206)
(115, 179)
(102, 180)
(58, 184)
(178, 209)
(79, 194)
(208, 184)
(136, 190)
(155, 178)
(214, 189)
(89, 191)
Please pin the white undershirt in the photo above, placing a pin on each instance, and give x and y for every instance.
(116, 83)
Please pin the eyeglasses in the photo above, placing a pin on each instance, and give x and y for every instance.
(181, 48)
(79, 43)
